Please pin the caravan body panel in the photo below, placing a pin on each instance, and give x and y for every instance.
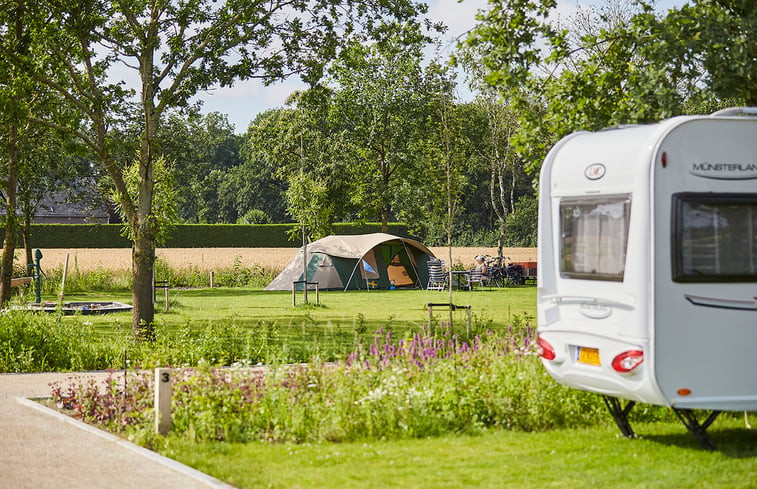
(605, 249)
(706, 327)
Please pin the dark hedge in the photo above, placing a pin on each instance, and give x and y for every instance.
(188, 235)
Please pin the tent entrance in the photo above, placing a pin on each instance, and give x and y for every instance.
(398, 273)
(401, 267)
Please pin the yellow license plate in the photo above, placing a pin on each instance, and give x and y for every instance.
(589, 356)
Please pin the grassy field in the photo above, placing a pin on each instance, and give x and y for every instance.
(666, 457)
(339, 312)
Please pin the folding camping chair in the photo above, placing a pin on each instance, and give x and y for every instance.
(477, 277)
(437, 279)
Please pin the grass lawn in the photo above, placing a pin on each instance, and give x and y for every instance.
(364, 311)
(665, 457)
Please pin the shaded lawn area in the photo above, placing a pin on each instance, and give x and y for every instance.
(361, 311)
(666, 456)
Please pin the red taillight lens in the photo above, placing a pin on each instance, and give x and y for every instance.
(544, 349)
(627, 361)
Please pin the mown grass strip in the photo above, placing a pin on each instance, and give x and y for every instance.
(665, 457)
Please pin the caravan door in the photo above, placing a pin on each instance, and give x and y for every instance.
(705, 264)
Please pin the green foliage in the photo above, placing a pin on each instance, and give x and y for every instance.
(706, 45)
(308, 203)
(164, 199)
(100, 279)
(415, 387)
(522, 223)
(254, 216)
(381, 112)
(239, 275)
(201, 145)
(509, 33)
(638, 68)
(250, 325)
(38, 342)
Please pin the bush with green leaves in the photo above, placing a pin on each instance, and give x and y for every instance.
(254, 216)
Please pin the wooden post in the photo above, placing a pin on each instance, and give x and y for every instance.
(63, 282)
(212, 279)
(317, 300)
(468, 312)
(430, 309)
(294, 295)
(166, 290)
(163, 392)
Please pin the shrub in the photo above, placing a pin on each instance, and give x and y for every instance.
(416, 386)
(254, 216)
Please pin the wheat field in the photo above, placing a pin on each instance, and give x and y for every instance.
(85, 259)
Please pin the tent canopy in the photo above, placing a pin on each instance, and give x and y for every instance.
(362, 261)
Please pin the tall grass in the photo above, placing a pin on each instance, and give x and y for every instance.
(415, 386)
(103, 279)
(38, 342)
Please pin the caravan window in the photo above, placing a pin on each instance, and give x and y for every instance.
(714, 237)
(594, 236)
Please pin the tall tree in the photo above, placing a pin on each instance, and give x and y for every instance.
(296, 139)
(177, 49)
(198, 145)
(20, 100)
(628, 65)
(51, 167)
(495, 149)
(380, 105)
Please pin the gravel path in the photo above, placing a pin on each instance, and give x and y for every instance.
(41, 450)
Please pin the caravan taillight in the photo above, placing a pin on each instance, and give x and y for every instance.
(544, 349)
(627, 361)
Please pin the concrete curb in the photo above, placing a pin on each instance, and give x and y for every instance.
(195, 474)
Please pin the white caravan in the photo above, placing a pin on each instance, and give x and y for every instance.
(648, 265)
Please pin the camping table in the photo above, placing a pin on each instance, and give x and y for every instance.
(458, 275)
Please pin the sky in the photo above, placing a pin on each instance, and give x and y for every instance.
(243, 101)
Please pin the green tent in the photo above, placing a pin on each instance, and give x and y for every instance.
(364, 261)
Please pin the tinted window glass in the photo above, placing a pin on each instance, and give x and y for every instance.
(715, 237)
(594, 237)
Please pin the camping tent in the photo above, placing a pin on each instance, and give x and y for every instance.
(363, 261)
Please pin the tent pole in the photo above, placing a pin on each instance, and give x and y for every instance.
(359, 260)
(305, 265)
(410, 258)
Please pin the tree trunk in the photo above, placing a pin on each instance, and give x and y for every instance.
(144, 226)
(501, 242)
(9, 243)
(142, 267)
(27, 231)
